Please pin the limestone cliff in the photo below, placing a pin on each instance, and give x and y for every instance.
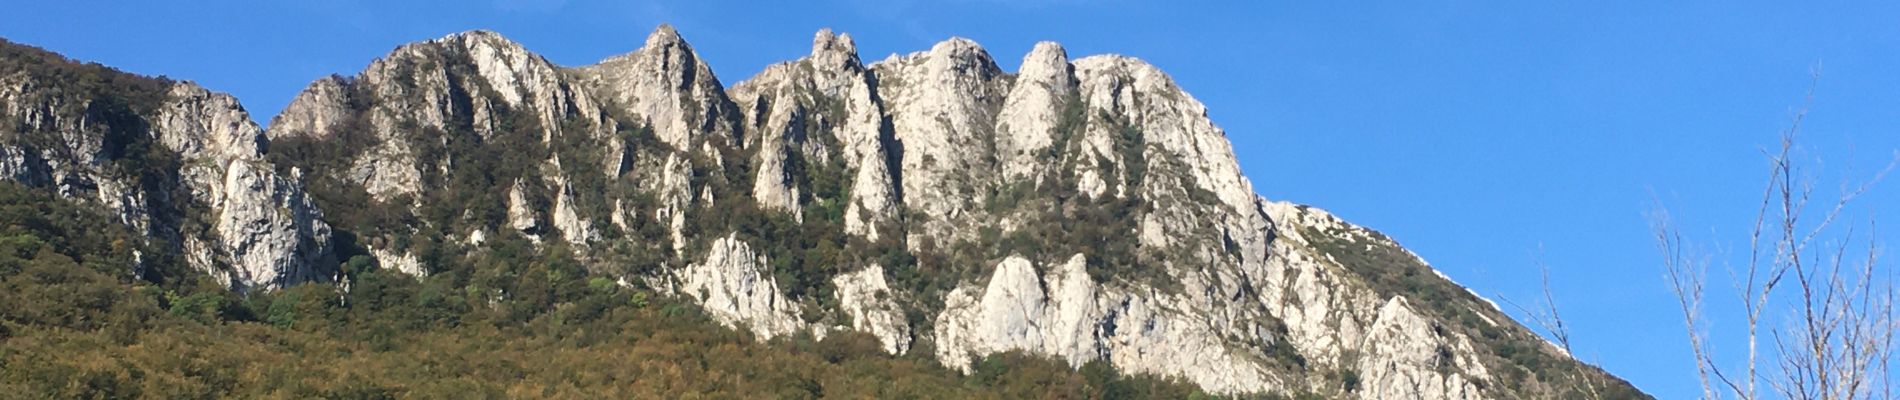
(1081, 209)
(182, 164)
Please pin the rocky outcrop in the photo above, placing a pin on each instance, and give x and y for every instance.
(1402, 357)
(578, 230)
(426, 106)
(822, 110)
(1086, 210)
(942, 104)
(322, 105)
(475, 80)
(270, 232)
(521, 215)
(261, 232)
(868, 302)
(666, 84)
(1066, 315)
(1036, 106)
(1014, 312)
(404, 262)
(735, 287)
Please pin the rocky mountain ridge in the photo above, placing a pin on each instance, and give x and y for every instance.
(175, 161)
(1081, 209)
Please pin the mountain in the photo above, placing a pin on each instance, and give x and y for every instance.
(1085, 210)
(180, 164)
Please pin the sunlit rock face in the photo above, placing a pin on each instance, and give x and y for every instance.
(1084, 209)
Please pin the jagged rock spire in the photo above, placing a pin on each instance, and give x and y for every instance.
(666, 84)
(831, 51)
(1033, 110)
(942, 105)
(664, 35)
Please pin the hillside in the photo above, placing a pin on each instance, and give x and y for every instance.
(923, 210)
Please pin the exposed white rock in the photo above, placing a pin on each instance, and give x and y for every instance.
(1026, 126)
(401, 262)
(521, 214)
(1077, 321)
(999, 317)
(665, 83)
(779, 136)
(201, 125)
(942, 104)
(387, 171)
(1402, 358)
(270, 230)
(839, 73)
(736, 288)
(873, 196)
(272, 234)
(1168, 119)
(1397, 351)
(676, 194)
(567, 218)
(924, 140)
(321, 106)
(868, 301)
(413, 89)
(790, 105)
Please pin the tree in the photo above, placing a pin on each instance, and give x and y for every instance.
(1823, 304)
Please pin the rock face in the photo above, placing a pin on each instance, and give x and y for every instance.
(1086, 210)
(943, 105)
(1015, 312)
(1033, 111)
(823, 111)
(736, 288)
(867, 299)
(205, 186)
(667, 86)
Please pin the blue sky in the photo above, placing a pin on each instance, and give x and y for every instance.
(1484, 136)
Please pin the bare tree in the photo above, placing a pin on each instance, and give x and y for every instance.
(1822, 304)
(1547, 318)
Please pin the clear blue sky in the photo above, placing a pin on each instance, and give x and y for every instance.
(1485, 137)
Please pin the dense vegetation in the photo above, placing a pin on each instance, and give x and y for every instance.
(74, 324)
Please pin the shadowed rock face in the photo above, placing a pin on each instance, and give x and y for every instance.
(1083, 209)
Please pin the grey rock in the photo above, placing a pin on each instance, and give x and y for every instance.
(265, 232)
(933, 150)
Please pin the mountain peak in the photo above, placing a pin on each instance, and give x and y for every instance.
(475, 34)
(477, 37)
(959, 47)
(952, 54)
(1110, 196)
(1046, 59)
(664, 35)
(827, 42)
(834, 51)
(666, 83)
